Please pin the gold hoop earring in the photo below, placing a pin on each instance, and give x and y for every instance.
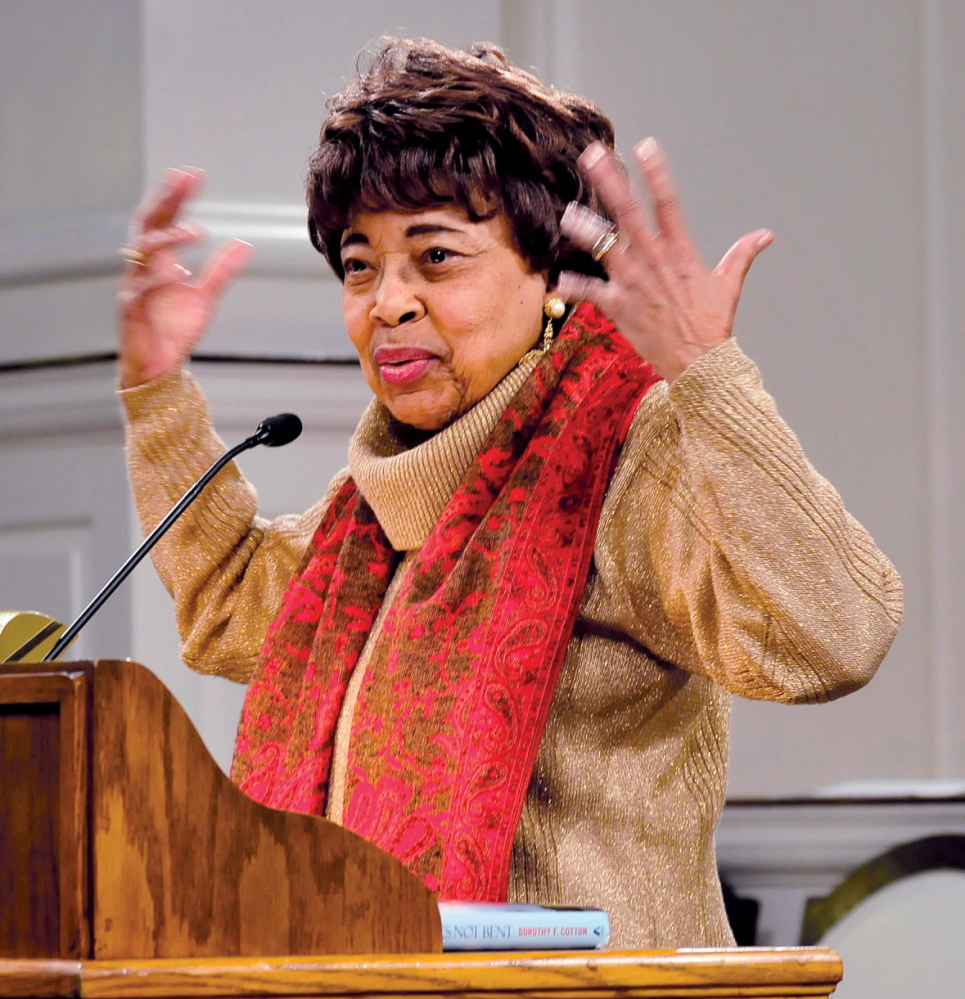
(554, 308)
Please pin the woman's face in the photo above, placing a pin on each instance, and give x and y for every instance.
(439, 308)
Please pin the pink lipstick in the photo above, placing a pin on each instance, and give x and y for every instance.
(398, 365)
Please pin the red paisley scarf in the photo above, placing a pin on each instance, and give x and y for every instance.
(451, 710)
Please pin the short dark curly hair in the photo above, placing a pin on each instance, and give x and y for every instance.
(425, 125)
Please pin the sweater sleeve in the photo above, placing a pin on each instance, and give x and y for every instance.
(725, 553)
(226, 568)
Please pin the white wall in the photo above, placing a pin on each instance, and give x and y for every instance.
(840, 126)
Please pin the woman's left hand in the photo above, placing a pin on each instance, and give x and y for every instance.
(660, 294)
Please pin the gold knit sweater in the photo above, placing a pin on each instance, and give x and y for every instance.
(723, 564)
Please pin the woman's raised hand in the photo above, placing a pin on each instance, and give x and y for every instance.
(661, 296)
(163, 312)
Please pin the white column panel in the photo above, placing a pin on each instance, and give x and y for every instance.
(945, 402)
(69, 168)
(41, 568)
(64, 506)
(806, 118)
(63, 516)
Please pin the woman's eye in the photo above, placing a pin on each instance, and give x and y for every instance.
(437, 255)
(353, 265)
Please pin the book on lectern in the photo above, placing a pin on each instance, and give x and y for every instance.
(517, 926)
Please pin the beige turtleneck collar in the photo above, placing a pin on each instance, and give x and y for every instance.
(409, 487)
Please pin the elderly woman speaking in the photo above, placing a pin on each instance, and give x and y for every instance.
(503, 646)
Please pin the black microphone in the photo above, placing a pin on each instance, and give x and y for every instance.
(277, 430)
(272, 432)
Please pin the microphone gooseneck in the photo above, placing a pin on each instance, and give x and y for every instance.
(272, 432)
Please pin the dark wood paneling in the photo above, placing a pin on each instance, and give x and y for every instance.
(43, 812)
(29, 889)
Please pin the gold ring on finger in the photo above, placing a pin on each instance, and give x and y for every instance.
(133, 255)
(604, 244)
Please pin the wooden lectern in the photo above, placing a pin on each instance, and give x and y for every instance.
(130, 866)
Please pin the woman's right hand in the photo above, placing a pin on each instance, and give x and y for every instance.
(163, 313)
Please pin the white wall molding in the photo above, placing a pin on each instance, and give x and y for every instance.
(817, 843)
(327, 397)
(783, 853)
(278, 232)
(80, 399)
(53, 401)
(55, 250)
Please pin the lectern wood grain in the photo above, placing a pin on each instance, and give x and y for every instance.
(186, 864)
(156, 854)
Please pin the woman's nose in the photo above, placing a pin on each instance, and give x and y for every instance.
(397, 300)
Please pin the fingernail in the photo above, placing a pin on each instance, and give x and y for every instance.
(582, 224)
(647, 147)
(592, 154)
(563, 283)
(573, 212)
(765, 237)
